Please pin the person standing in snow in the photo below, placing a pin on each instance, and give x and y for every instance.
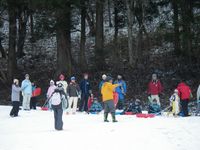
(51, 89)
(102, 82)
(107, 93)
(33, 101)
(58, 102)
(155, 88)
(73, 93)
(63, 82)
(121, 91)
(15, 98)
(26, 92)
(85, 93)
(185, 95)
(175, 103)
(198, 101)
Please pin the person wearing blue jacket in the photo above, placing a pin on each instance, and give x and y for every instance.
(86, 91)
(26, 92)
(121, 91)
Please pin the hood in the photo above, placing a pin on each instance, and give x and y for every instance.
(181, 84)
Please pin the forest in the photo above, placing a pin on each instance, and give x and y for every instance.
(134, 38)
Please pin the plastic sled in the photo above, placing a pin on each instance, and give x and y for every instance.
(37, 92)
(128, 113)
(44, 108)
(145, 115)
(90, 100)
(115, 98)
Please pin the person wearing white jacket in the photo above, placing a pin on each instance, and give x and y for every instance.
(175, 103)
(198, 101)
(63, 82)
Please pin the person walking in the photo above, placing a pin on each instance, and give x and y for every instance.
(58, 102)
(26, 92)
(73, 93)
(15, 98)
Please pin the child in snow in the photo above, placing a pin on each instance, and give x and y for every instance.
(58, 102)
(15, 98)
(107, 94)
(73, 93)
(154, 107)
(135, 107)
(96, 107)
(175, 102)
(51, 89)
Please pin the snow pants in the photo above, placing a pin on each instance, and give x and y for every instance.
(84, 103)
(58, 123)
(26, 101)
(74, 101)
(15, 109)
(33, 103)
(184, 107)
(109, 106)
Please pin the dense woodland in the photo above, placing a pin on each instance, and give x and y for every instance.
(132, 37)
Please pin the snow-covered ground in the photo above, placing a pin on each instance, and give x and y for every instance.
(34, 131)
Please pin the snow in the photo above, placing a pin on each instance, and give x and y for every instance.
(34, 131)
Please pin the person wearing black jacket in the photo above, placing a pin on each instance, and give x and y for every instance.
(73, 93)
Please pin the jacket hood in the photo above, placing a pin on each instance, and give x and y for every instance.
(182, 84)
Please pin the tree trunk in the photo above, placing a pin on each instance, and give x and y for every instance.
(115, 54)
(129, 4)
(176, 27)
(82, 59)
(109, 14)
(186, 23)
(3, 53)
(100, 58)
(64, 58)
(23, 18)
(12, 62)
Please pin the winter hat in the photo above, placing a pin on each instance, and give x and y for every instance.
(104, 77)
(15, 81)
(175, 91)
(61, 77)
(73, 78)
(27, 75)
(52, 82)
(108, 78)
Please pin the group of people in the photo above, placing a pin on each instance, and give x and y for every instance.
(27, 88)
(61, 96)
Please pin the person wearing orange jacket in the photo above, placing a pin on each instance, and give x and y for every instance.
(185, 95)
(107, 96)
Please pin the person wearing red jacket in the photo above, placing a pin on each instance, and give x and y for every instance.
(154, 89)
(185, 94)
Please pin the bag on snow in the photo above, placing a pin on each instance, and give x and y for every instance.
(55, 99)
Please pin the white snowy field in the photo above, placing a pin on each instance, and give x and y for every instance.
(34, 130)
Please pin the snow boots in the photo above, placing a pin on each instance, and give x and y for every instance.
(106, 117)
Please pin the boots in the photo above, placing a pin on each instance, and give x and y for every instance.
(106, 117)
(113, 117)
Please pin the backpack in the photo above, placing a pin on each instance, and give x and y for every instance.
(55, 99)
